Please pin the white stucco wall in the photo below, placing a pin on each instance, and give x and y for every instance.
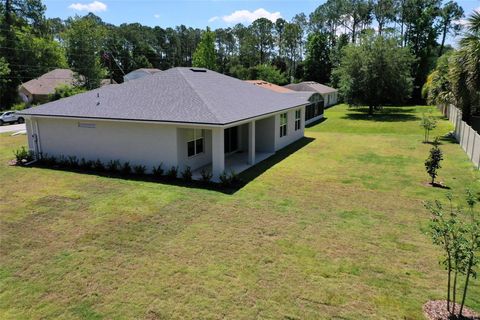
(330, 99)
(146, 144)
(196, 161)
(265, 134)
(292, 135)
(29, 128)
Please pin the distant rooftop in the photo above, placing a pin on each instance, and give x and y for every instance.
(149, 70)
(311, 86)
(46, 83)
(270, 86)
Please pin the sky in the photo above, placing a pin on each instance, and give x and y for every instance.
(192, 13)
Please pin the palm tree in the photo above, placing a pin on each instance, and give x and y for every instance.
(465, 71)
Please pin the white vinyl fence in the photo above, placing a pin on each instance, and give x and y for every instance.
(468, 138)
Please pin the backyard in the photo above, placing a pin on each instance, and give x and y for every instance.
(336, 229)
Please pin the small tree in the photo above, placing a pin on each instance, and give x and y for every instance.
(204, 56)
(459, 238)
(428, 123)
(472, 247)
(432, 164)
(268, 73)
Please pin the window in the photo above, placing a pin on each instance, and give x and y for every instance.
(298, 119)
(283, 124)
(195, 141)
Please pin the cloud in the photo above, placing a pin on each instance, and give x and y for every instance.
(156, 16)
(246, 16)
(213, 19)
(95, 6)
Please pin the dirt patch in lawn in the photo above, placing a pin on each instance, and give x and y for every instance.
(437, 310)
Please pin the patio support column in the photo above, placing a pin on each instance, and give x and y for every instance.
(251, 143)
(218, 153)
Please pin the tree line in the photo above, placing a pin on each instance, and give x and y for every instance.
(308, 47)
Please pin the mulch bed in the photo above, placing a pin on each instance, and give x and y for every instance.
(437, 310)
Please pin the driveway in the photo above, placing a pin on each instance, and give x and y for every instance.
(12, 127)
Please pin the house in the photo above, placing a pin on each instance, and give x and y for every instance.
(270, 86)
(39, 90)
(330, 95)
(313, 111)
(185, 117)
(140, 73)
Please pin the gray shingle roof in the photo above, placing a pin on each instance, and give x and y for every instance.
(311, 86)
(46, 83)
(175, 95)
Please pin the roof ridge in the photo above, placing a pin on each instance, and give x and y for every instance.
(196, 93)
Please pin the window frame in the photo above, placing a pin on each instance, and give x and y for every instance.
(298, 119)
(283, 124)
(196, 139)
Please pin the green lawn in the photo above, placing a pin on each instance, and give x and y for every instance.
(337, 230)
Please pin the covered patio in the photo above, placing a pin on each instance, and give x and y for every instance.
(238, 147)
(236, 162)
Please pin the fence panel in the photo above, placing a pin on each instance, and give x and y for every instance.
(476, 151)
(465, 131)
(466, 136)
(470, 142)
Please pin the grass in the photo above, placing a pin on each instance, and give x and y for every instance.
(336, 229)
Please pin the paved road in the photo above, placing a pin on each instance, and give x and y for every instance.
(12, 127)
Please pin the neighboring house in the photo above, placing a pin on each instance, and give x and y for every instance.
(313, 111)
(140, 73)
(330, 95)
(39, 90)
(270, 86)
(185, 117)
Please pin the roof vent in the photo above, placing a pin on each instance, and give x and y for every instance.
(198, 70)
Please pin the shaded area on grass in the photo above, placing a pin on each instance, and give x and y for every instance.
(258, 169)
(316, 122)
(386, 114)
(245, 177)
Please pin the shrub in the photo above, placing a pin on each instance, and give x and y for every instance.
(234, 178)
(206, 175)
(23, 155)
(63, 162)
(65, 90)
(187, 174)
(224, 179)
(72, 162)
(19, 106)
(139, 170)
(86, 164)
(172, 173)
(158, 171)
(229, 179)
(98, 165)
(126, 168)
(48, 160)
(113, 166)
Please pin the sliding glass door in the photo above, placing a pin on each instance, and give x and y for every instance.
(231, 140)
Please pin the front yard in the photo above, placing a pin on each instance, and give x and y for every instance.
(335, 230)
